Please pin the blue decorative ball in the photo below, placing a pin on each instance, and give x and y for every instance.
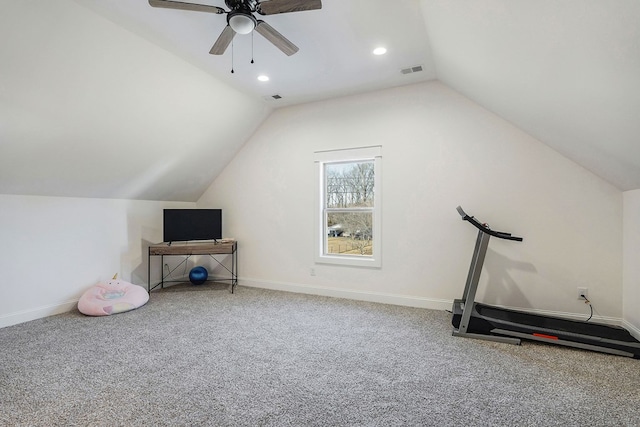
(198, 275)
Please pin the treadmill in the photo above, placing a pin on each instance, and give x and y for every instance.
(481, 321)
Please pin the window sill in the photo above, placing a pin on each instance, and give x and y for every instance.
(352, 261)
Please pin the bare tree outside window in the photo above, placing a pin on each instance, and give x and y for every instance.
(349, 207)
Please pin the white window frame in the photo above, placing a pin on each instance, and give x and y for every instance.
(341, 156)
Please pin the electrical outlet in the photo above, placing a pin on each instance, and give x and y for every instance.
(583, 291)
(312, 271)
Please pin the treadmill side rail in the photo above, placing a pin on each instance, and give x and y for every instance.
(563, 342)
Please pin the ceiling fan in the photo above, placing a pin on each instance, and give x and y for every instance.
(240, 19)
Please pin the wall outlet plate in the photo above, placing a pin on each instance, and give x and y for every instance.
(583, 291)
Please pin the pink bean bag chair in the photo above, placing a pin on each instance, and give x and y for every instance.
(115, 296)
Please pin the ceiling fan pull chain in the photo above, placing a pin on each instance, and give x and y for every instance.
(232, 56)
(252, 47)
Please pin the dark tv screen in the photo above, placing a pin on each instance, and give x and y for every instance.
(192, 224)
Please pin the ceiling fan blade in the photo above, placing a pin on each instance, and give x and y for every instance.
(223, 41)
(271, 7)
(169, 4)
(278, 40)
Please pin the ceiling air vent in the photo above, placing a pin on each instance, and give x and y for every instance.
(276, 97)
(410, 70)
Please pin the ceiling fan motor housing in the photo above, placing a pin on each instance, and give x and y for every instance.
(242, 5)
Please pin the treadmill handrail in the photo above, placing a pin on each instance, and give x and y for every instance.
(485, 228)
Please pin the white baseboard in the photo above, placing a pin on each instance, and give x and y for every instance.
(36, 313)
(379, 297)
(404, 300)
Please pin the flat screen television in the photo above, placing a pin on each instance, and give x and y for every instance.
(192, 224)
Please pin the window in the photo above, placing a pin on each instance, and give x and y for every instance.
(348, 206)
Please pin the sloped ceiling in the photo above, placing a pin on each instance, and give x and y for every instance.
(565, 71)
(119, 99)
(88, 109)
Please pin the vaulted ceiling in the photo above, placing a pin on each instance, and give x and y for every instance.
(565, 71)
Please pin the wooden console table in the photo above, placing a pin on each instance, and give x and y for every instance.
(210, 248)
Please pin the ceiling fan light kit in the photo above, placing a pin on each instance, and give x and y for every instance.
(241, 23)
(240, 19)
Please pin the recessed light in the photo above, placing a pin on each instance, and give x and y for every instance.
(263, 78)
(379, 51)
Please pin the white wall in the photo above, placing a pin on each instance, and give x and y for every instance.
(54, 248)
(439, 150)
(631, 262)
